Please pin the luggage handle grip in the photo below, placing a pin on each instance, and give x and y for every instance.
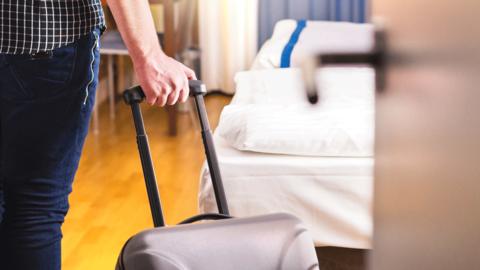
(135, 94)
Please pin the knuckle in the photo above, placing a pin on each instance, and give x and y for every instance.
(166, 90)
(163, 98)
(151, 101)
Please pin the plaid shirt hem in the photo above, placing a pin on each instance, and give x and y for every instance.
(31, 26)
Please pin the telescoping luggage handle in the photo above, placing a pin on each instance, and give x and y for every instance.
(133, 97)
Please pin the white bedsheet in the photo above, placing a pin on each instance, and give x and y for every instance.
(331, 195)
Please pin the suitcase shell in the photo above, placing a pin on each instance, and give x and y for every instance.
(276, 241)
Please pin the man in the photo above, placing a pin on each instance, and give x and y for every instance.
(49, 61)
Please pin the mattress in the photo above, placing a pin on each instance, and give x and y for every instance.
(331, 195)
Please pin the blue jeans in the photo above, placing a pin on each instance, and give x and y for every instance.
(45, 107)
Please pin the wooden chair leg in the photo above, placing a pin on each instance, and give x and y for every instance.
(122, 70)
(111, 86)
(190, 107)
(172, 120)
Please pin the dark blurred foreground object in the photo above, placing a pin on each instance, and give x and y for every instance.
(269, 242)
(337, 258)
(374, 59)
(427, 173)
(427, 150)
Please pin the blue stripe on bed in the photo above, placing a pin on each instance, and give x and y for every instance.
(287, 51)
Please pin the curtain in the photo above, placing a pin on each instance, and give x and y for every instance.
(228, 40)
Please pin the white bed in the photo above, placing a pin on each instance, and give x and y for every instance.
(332, 195)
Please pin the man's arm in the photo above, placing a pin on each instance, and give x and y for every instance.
(163, 79)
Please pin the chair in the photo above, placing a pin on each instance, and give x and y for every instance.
(114, 49)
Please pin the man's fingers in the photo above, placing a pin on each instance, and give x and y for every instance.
(162, 100)
(177, 87)
(164, 93)
(150, 96)
(185, 91)
(189, 73)
(173, 97)
(152, 100)
(184, 95)
(166, 81)
(179, 82)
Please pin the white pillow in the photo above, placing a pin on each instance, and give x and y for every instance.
(317, 37)
(270, 113)
(269, 86)
(337, 85)
(299, 130)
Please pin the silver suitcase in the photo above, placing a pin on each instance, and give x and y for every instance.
(269, 242)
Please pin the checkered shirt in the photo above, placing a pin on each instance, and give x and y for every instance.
(31, 26)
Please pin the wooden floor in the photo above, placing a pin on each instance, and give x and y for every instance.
(109, 203)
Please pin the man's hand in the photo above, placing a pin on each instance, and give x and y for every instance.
(163, 79)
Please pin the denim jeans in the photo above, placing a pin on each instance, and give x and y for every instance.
(45, 106)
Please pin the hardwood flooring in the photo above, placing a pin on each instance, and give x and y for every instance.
(109, 202)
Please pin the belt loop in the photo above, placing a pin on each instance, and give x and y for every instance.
(41, 55)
